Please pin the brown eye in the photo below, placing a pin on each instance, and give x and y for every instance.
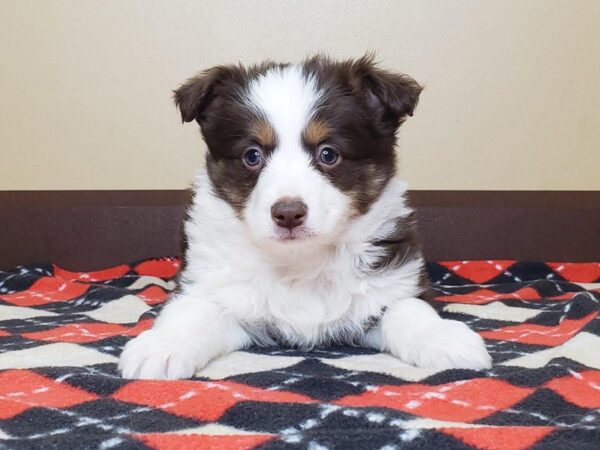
(253, 157)
(328, 155)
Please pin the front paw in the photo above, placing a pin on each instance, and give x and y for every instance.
(448, 344)
(160, 355)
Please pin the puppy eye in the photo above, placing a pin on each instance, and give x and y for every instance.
(253, 157)
(328, 155)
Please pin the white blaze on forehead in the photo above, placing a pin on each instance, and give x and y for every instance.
(288, 98)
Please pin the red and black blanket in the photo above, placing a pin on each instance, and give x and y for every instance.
(61, 333)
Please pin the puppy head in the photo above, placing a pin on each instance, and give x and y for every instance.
(299, 150)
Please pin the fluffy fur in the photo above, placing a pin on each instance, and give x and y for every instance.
(350, 272)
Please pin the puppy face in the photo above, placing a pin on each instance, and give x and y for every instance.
(299, 150)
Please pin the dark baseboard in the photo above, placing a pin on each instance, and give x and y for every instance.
(88, 230)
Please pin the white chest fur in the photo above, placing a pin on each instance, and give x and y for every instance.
(308, 293)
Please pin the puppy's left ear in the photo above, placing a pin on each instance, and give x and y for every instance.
(198, 94)
(391, 96)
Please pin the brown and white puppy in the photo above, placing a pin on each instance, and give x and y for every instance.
(299, 233)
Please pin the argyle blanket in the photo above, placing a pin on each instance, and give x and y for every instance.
(61, 333)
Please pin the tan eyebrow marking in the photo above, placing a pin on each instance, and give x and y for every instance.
(316, 132)
(265, 135)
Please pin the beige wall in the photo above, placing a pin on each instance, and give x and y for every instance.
(512, 98)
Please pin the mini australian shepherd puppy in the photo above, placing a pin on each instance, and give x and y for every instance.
(299, 233)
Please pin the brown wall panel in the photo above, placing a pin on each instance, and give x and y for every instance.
(88, 230)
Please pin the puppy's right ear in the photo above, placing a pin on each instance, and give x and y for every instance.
(197, 94)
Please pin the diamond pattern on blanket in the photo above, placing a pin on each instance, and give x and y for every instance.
(124, 310)
(540, 334)
(381, 363)
(239, 363)
(58, 354)
(494, 310)
(501, 438)
(580, 388)
(583, 348)
(21, 312)
(46, 290)
(181, 397)
(61, 332)
(21, 390)
(464, 400)
(479, 271)
(200, 441)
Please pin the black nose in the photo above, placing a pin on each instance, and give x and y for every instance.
(289, 212)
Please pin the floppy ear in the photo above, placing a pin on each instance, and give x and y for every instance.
(195, 96)
(392, 96)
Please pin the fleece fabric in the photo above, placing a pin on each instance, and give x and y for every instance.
(61, 333)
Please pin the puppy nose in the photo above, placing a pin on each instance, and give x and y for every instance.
(289, 212)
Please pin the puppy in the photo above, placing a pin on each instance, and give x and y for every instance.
(299, 233)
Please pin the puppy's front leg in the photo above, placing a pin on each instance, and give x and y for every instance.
(188, 333)
(412, 331)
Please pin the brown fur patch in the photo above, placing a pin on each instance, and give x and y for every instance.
(315, 133)
(368, 189)
(264, 134)
(402, 246)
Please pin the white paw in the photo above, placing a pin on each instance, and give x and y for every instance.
(447, 344)
(160, 355)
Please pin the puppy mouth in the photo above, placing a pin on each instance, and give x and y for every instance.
(282, 234)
